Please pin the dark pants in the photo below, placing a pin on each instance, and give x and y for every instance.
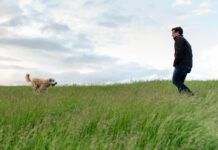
(179, 75)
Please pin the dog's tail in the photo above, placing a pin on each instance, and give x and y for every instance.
(28, 77)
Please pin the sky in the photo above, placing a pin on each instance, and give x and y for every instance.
(104, 41)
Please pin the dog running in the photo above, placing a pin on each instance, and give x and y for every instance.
(40, 85)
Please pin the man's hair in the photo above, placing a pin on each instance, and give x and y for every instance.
(178, 29)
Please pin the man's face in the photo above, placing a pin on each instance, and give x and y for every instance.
(175, 34)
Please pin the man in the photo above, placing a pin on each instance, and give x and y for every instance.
(182, 61)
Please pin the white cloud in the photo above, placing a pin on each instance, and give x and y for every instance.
(94, 41)
(181, 2)
(72, 67)
(205, 63)
(204, 8)
(151, 46)
(8, 8)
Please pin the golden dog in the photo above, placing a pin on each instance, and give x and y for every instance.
(39, 84)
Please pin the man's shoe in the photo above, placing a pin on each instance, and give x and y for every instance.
(188, 92)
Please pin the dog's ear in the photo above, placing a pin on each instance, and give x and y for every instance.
(50, 80)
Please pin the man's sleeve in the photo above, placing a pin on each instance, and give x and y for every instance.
(179, 51)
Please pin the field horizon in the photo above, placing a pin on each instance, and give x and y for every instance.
(138, 115)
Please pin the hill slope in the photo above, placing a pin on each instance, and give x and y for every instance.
(144, 115)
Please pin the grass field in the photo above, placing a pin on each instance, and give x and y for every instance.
(143, 115)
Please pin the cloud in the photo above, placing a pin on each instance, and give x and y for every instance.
(16, 21)
(9, 8)
(89, 58)
(204, 8)
(114, 19)
(57, 61)
(34, 43)
(12, 76)
(84, 69)
(96, 3)
(116, 73)
(76, 42)
(82, 41)
(12, 67)
(2, 58)
(181, 2)
(56, 27)
(50, 4)
(97, 41)
(205, 63)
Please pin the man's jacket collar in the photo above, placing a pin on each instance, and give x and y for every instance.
(177, 37)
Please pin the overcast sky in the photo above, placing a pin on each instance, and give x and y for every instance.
(104, 41)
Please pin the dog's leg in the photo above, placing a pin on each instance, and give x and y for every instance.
(34, 87)
(36, 90)
(43, 88)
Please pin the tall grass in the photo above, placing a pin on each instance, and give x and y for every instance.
(144, 115)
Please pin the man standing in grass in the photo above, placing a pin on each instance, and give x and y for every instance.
(182, 61)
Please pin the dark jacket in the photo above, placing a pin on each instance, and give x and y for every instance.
(183, 52)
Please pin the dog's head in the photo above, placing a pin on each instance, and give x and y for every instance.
(52, 82)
